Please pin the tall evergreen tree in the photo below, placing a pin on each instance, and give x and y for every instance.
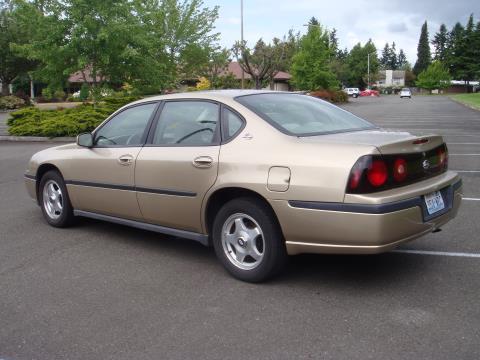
(392, 57)
(469, 51)
(333, 41)
(385, 59)
(423, 51)
(455, 45)
(439, 42)
(401, 60)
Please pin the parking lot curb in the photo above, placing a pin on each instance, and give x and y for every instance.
(36, 138)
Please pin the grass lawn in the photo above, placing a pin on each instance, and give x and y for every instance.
(469, 99)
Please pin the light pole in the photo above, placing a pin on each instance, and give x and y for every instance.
(368, 67)
(241, 39)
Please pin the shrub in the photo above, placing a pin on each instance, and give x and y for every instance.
(11, 102)
(63, 122)
(59, 95)
(47, 93)
(203, 84)
(333, 96)
(84, 92)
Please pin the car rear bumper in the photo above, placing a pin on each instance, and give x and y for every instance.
(349, 228)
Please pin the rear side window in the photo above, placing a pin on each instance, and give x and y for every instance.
(187, 123)
(233, 123)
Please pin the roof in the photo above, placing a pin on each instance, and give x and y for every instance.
(78, 77)
(235, 69)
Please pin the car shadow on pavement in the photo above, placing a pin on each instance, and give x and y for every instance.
(364, 271)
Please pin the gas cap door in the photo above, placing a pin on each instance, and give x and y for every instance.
(278, 178)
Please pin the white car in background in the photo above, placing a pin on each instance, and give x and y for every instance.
(355, 92)
(405, 92)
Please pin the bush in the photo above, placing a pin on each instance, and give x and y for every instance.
(59, 95)
(333, 96)
(63, 122)
(11, 102)
(84, 92)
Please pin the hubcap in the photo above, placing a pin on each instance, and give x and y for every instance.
(242, 241)
(52, 199)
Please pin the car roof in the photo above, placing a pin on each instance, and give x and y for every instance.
(219, 95)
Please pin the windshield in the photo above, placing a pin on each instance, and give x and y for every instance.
(302, 115)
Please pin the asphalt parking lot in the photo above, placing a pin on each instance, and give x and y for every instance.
(104, 291)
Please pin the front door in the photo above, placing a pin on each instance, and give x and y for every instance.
(179, 164)
(102, 178)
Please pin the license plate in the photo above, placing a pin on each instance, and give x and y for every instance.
(434, 202)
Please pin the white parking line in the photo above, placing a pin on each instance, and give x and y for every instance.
(452, 143)
(438, 253)
(463, 154)
(467, 171)
(471, 199)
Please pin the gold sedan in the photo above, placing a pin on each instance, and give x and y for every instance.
(258, 175)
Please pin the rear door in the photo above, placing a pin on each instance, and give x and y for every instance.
(179, 163)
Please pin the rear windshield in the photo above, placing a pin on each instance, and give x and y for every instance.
(405, 89)
(302, 115)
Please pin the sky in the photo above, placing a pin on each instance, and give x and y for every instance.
(355, 21)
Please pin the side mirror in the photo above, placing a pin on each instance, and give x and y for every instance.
(85, 140)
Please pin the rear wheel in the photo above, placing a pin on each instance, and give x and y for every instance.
(248, 241)
(54, 200)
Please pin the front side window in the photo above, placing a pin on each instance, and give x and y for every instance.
(190, 123)
(126, 128)
(302, 115)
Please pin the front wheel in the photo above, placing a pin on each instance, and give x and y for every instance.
(248, 240)
(54, 200)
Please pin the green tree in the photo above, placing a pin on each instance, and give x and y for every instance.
(262, 62)
(436, 76)
(401, 60)
(423, 51)
(311, 65)
(455, 48)
(217, 64)
(12, 63)
(439, 42)
(385, 59)
(358, 64)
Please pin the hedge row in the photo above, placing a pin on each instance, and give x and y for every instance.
(333, 96)
(63, 122)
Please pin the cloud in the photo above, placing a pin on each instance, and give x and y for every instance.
(397, 28)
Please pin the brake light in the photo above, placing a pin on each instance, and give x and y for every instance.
(442, 157)
(400, 170)
(380, 172)
(377, 173)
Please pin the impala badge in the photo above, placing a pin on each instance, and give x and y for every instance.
(426, 164)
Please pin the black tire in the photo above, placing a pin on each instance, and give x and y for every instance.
(65, 216)
(274, 254)
(355, 96)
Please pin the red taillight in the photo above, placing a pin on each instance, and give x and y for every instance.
(355, 177)
(377, 173)
(442, 157)
(400, 170)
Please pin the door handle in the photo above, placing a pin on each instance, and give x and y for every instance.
(125, 160)
(202, 162)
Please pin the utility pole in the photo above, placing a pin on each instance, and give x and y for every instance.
(241, 40)
(368, 66)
